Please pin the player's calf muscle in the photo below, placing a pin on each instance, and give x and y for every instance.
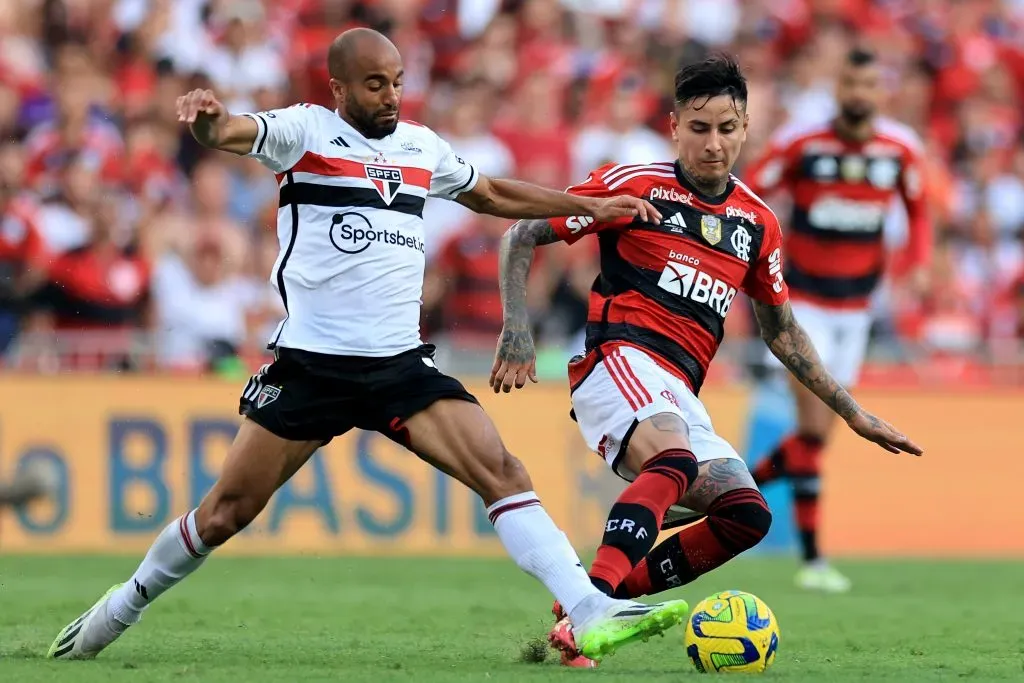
(258, 463)
(222, 515)
(459, 439)
(716, 478)
(499, 476)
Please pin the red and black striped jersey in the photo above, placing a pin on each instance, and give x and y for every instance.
(667, 288)
(841, 193)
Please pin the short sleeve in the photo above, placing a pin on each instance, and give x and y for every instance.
(452, 176)
(281, 136)
(764, 282)
(774, 169)
(570, 229)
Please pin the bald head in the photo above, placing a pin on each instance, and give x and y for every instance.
(358, 50)
(366, 81)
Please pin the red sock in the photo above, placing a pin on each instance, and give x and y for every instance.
(635, 518)
(737, 520)
(769, 468)
(803, 467)
(796, 455)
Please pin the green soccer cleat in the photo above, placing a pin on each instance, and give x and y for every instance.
(87, 635)
(624, 625)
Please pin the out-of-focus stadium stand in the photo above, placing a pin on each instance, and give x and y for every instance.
(124, 246)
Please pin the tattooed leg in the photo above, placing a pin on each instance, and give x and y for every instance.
(737, 519)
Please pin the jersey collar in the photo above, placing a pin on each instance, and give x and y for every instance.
(707, 199)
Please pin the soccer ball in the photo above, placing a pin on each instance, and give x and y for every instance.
(732, 631)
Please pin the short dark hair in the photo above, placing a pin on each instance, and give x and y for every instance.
(861, 56)
(717, 75)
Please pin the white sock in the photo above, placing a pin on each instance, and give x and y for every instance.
(177, 552)
(543, 551)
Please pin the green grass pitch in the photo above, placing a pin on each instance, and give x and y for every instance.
(306, 620)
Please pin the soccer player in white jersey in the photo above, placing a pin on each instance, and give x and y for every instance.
(348, 355)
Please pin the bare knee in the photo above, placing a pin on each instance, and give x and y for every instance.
(740, 519)
(654, 436)
(221, 515)
(501, 476)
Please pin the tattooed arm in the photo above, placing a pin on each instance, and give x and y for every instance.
(515, 360)
(791, 345)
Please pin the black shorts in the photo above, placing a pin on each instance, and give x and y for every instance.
(306, 396)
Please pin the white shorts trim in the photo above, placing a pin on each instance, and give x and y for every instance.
(625, 388)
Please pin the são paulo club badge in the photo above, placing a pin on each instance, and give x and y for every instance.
(267, 396)
(387, 180)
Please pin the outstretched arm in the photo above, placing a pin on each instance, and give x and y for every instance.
(791, 345)
(516, 199)
(212, 126)
(516, 360)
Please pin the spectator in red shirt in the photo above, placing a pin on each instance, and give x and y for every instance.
(101, 288)
(73, 130)
(460, 293)
(22, 258)
(536, 132)
(1007, 325)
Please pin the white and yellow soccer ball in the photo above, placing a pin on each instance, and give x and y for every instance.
(732, 632)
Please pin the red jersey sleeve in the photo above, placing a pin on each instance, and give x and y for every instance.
(773, 171)
(918, 250)
(569, 229)
(764, 282)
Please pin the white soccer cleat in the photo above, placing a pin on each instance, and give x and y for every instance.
(89, 634)
(822, 577)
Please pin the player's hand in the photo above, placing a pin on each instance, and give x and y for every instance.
(515, 361)
(623, 206)
(884, 434)
(199, 102)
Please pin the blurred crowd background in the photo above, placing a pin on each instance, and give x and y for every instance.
(125, 246)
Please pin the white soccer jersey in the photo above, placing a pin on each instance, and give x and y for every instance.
(350, 225)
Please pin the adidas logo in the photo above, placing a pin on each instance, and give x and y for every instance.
(677, 222)
(339, 141)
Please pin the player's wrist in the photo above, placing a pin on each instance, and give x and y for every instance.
(851, 413)
(208, 129)
(516, 322)
(586, 206)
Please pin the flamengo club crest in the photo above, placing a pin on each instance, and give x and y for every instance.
(711, 229)
(386, 179)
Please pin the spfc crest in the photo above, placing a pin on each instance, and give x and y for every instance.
(387, 180)
(711, 229)
(267, 396)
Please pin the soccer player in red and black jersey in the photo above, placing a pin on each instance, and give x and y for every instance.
(657, 313)
(843, 176)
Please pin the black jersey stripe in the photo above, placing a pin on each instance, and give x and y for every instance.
(289, 182)
(312, 194)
